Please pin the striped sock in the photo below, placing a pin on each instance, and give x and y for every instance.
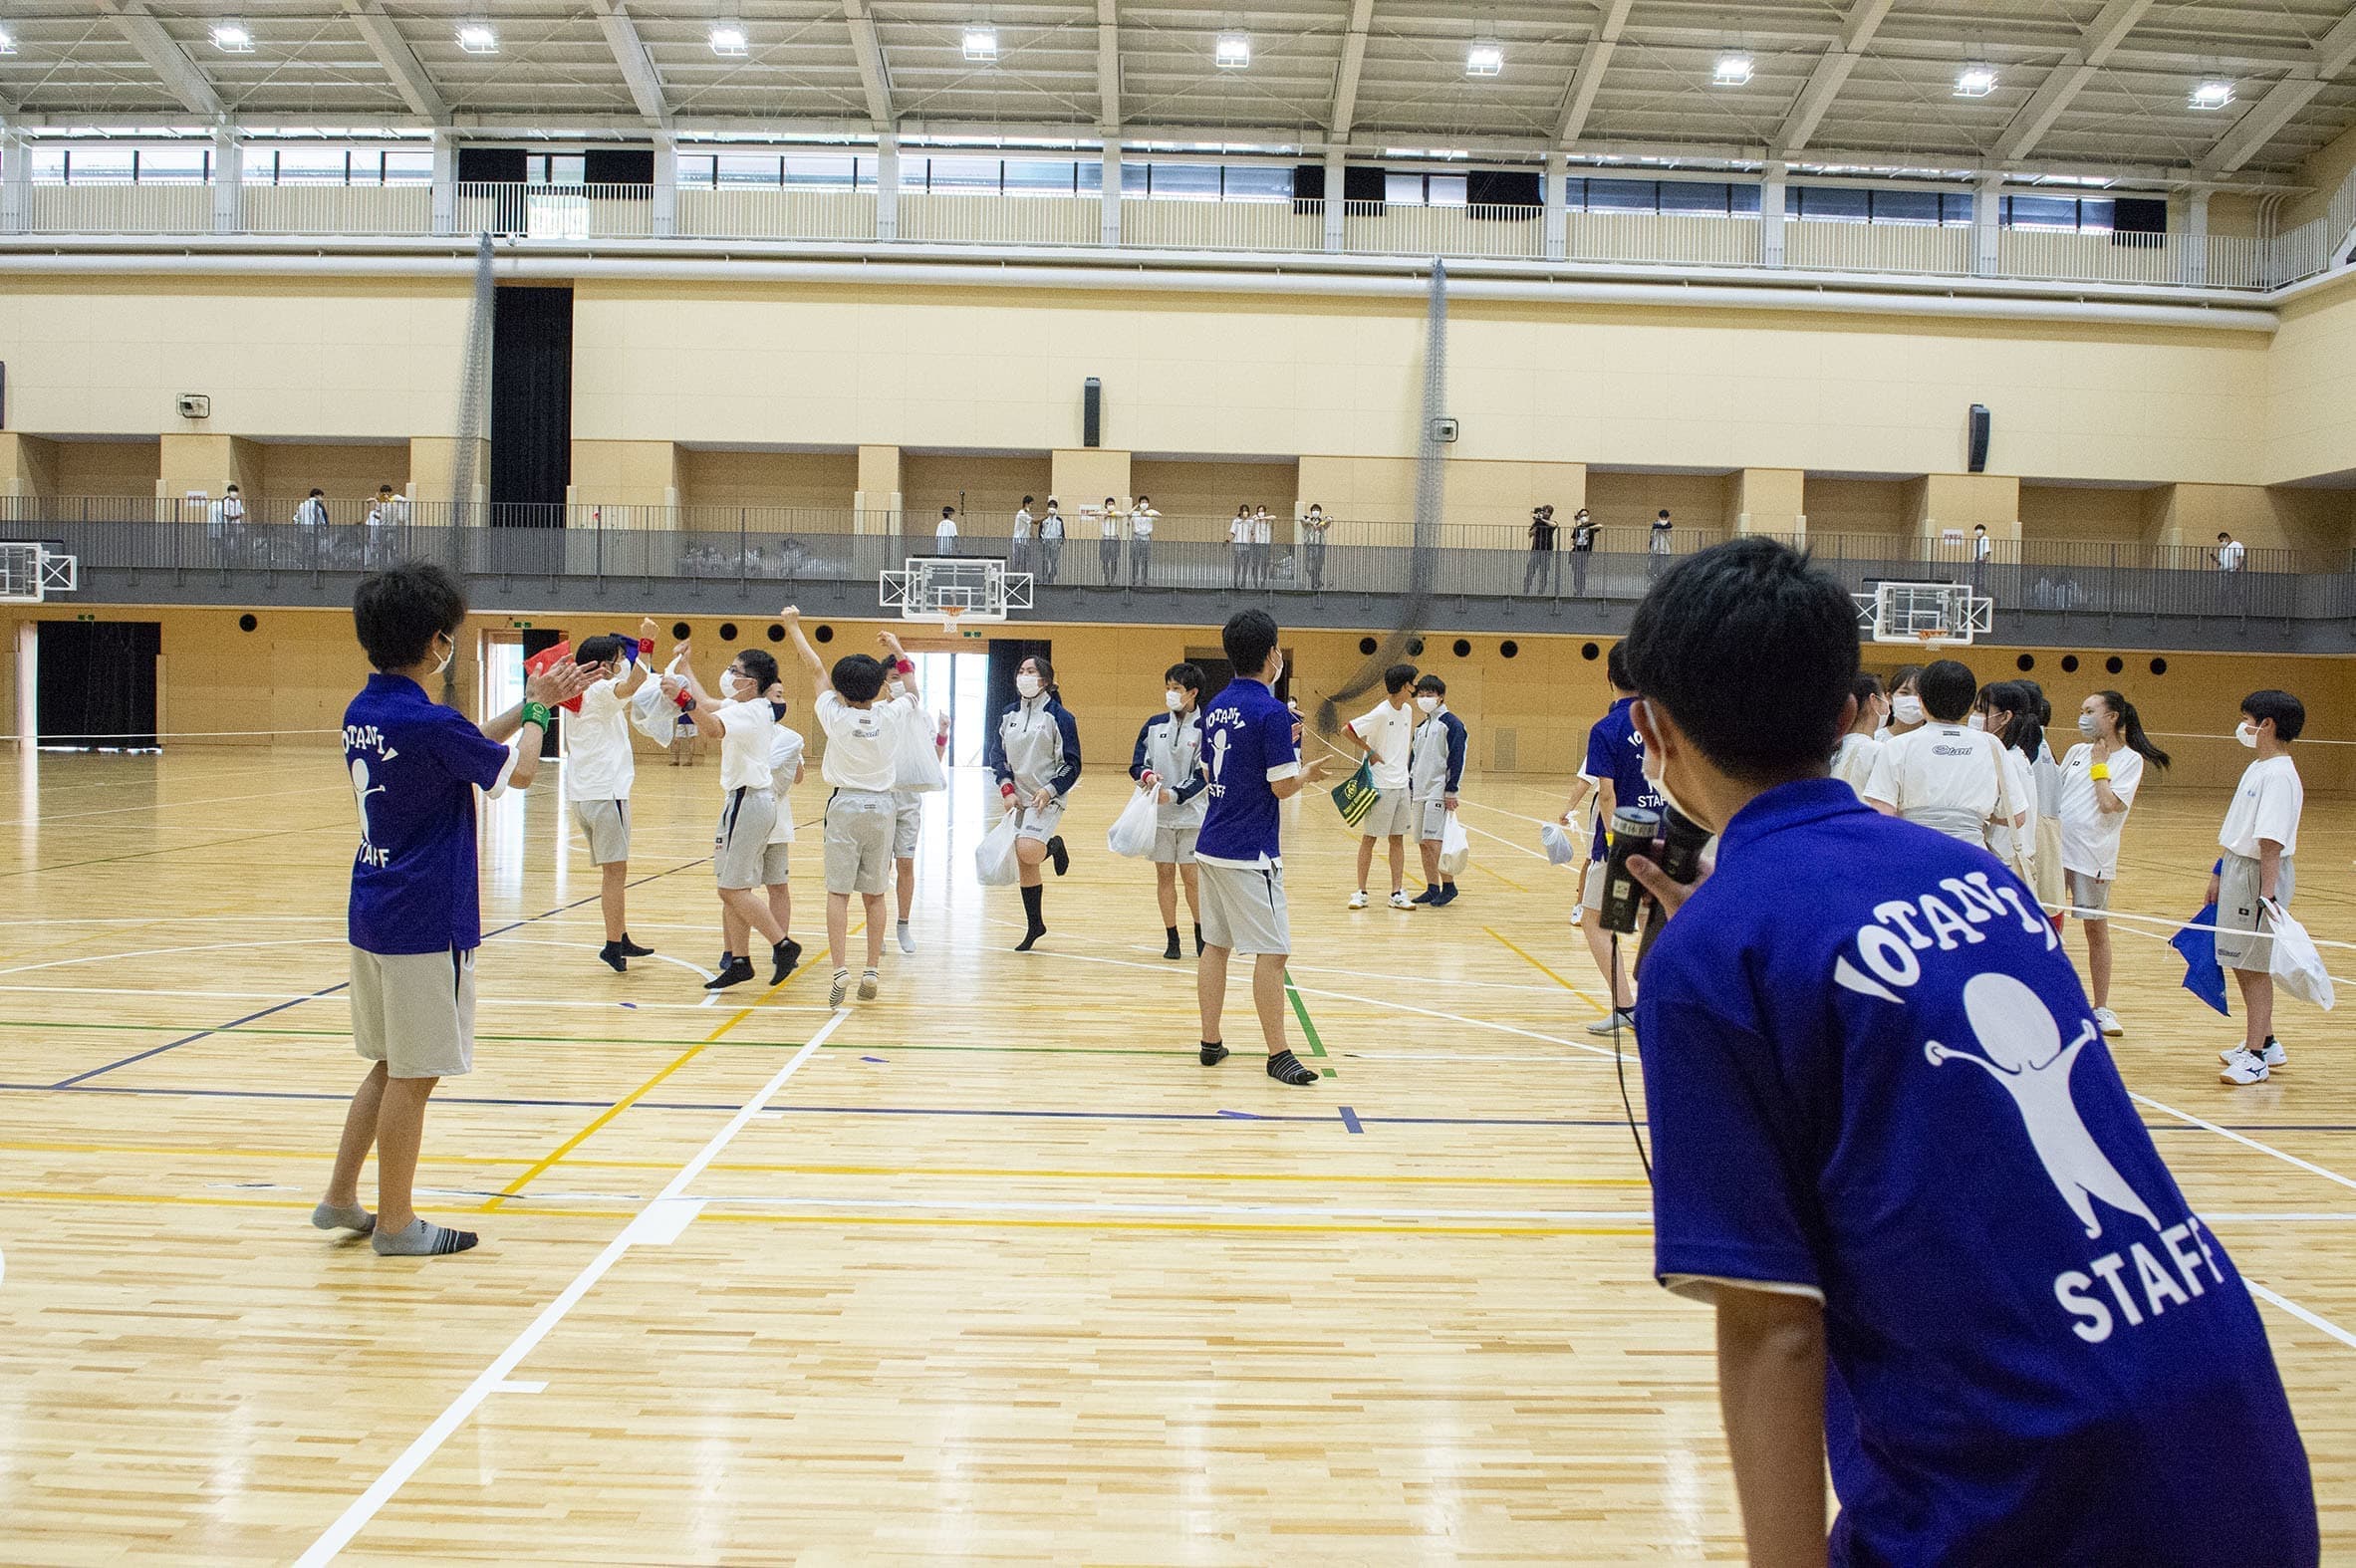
(422, 1238)
(1287, 1068)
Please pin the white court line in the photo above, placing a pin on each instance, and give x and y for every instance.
(488, 1380)
(338, 996)
(2311, 1319)
(2227, 1132)
(1623, 1216)
(1508, 842)
(170, 805)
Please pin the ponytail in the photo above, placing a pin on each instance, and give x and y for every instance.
(2024, 733)
(2131, 729)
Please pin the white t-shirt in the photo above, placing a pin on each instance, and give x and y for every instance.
(2024, 798)
(785, 756)
(1141, 522)
(2265, 805)
(1022, 523)
(2090, 835)
(598, 765)
(1943, 776)
(1263, 530)
(1240, 531)
(744, 743)
(1390, 733)
(2228, 556)
(1109, 521)
(1852, 763)
(947, 531)
(861, 742)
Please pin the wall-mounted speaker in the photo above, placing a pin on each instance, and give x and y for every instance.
(1976, 439)
(1091, 413)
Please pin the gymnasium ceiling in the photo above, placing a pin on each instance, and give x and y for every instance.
(2098, 87)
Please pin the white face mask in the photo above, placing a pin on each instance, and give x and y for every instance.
(1977, 721)
(1175, 700)
(1907, 709)
(2088, 727)
(1427, 703)
(447, 659)
(1027, 684)
(900, 689)
(2246, 733)
(738, 686)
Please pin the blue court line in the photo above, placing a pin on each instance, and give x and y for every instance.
(1350, 1119)
(202, 1034)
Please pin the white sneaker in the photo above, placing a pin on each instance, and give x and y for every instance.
(869, 982)
(2243, 1068)
(1358, 900)
(2273, 1055)
(1625, 1018)
(1400, 901)
(2108, 1022)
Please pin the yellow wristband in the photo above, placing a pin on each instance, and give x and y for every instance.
(2101, 770)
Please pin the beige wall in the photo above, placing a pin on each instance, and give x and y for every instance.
(2109, 516)
(624, 473)
(1771, 500)
(2321, 174)
(1943, 503)
(818, 482)
(1629, 500)
(2311, 423)
(1857, 506)
(1195, 496)
(347, 473)
(992, 486)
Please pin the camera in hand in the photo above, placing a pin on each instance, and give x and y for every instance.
(1633, 831)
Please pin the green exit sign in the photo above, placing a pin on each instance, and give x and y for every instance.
(85, 616)
(521, 626)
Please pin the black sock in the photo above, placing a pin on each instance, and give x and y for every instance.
(1287, 1068)
(1197, 939)
(631, 950)
(612, 952)
(1037, 927)
(1213, 1053)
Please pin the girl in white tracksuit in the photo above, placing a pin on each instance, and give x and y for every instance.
(1170, 749)
(1035, 752)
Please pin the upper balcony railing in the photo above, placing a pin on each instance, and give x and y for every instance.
(1677, 242)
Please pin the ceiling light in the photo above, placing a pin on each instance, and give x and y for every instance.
(476, 38)
(1975, 81)
(231, 37)
(1732, 71)
(1235, 52)
(981, 43)
(7, 42)
(1484, 59)
(728, 39)
(2213, 95)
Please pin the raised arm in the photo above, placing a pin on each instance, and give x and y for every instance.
(791, 615)
(637, 674)
(560, 683)
(901, 665)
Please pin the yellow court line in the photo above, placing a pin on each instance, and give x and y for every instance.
(516, 1187)
(1549, 973)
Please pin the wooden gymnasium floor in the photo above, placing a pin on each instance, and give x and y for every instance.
(994, 1272)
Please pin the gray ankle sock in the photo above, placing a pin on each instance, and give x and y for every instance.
(331, 1217)
(421, 1239)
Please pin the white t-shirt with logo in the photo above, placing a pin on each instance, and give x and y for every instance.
(1390, 733)
(862, 743)
(2089, 833)
(1943, 776)
(746, 728)
(598, 765)
(785, 758)
(2266, 805)
(1853, 762)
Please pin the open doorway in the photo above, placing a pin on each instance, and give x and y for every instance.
(957, 683)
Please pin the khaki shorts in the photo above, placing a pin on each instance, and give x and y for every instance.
(907, 824)
(859, 826)
(2089, 896)
(1174, 845)
(415, 1012)
(746, 816)
(1393, 817)
(1431, 820)
(1243, 910)
(1039, 823)
(605, 825)
(775, 871)
(2243, 939)
(1591, 892)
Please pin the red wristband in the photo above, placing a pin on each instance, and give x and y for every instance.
(907, 666)
(645, 648)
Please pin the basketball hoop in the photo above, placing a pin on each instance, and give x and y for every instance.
(950, 614)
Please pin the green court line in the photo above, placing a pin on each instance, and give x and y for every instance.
(1300, 1010)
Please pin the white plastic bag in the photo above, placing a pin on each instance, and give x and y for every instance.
(652, 714)
(915, 760)
(1132, 832)
(994, 862)
(1456, 848)
(1556, 839)
(2298, 968)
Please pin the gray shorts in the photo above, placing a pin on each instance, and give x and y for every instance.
(1038, 822)
(1174, 845)
(2090, 896)
(1243, 910)
(1393, 817)
(775, 873)
(1591, 892)
(2243, 939)
(746, 816)
(415, 1012)
(605, 825)
(859, 825)
(907, 824)
(1431, 820)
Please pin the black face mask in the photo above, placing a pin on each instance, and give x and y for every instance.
(777, 712)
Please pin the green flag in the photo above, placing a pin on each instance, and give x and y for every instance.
(1355, 796)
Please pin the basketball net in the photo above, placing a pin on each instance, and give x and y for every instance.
(950, 614)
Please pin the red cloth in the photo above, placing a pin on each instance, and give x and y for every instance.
(541, 662)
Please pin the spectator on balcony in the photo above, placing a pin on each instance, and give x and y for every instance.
(1982, 549)
(1263, 536)
(1582, 547)
(1051, 541)
(945, 534)
(1543, 563)
(1108, 543)
(1656, 547)
(1240, 544)
(1018, 553)
(2228, 553)
(1141, 540)
(377, 531)
(1314, 527)
(310, 517)
(224, 523)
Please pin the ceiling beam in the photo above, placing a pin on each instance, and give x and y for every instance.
(2067, 79)
(1831, 73)
(1588, 77)
(872, 74)
(1107, 63)
(630, 53)
(400, 63)
(1345, 105)
(2327, 58)
(164, 57)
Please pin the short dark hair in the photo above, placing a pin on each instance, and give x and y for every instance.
(1946, 688)
(1616, 668)
(2222, 535)
(759, 664)
(1186, 674)
(1247, 640)
(1397, 678)
(2288, 712)
(603, 649)
(1865, 688)
(315, 490)
(1905, 675)
(1749, 604)
(1432, 684)
(1664, 511)
(949, 511)
(857, 677)
(396, 613)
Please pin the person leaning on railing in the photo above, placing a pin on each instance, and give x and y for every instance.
(1314, 526)
(1543, 562)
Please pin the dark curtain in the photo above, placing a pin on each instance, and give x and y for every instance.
(618, 167)
(97, 682)
(1359, 183)
(539, 641)
(531, 407)
(2137, 221)
(1006, 656)
(491, 165)
(1487, 187)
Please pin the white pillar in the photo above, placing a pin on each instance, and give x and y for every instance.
(445, 180)
(1108, 226)
(888, 186)
(1558, 167)
(1336, 158)
(16, 182)
(228, 181)
(1987, 215)
(664, 215)
(1771, 193)
(2193, 246)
